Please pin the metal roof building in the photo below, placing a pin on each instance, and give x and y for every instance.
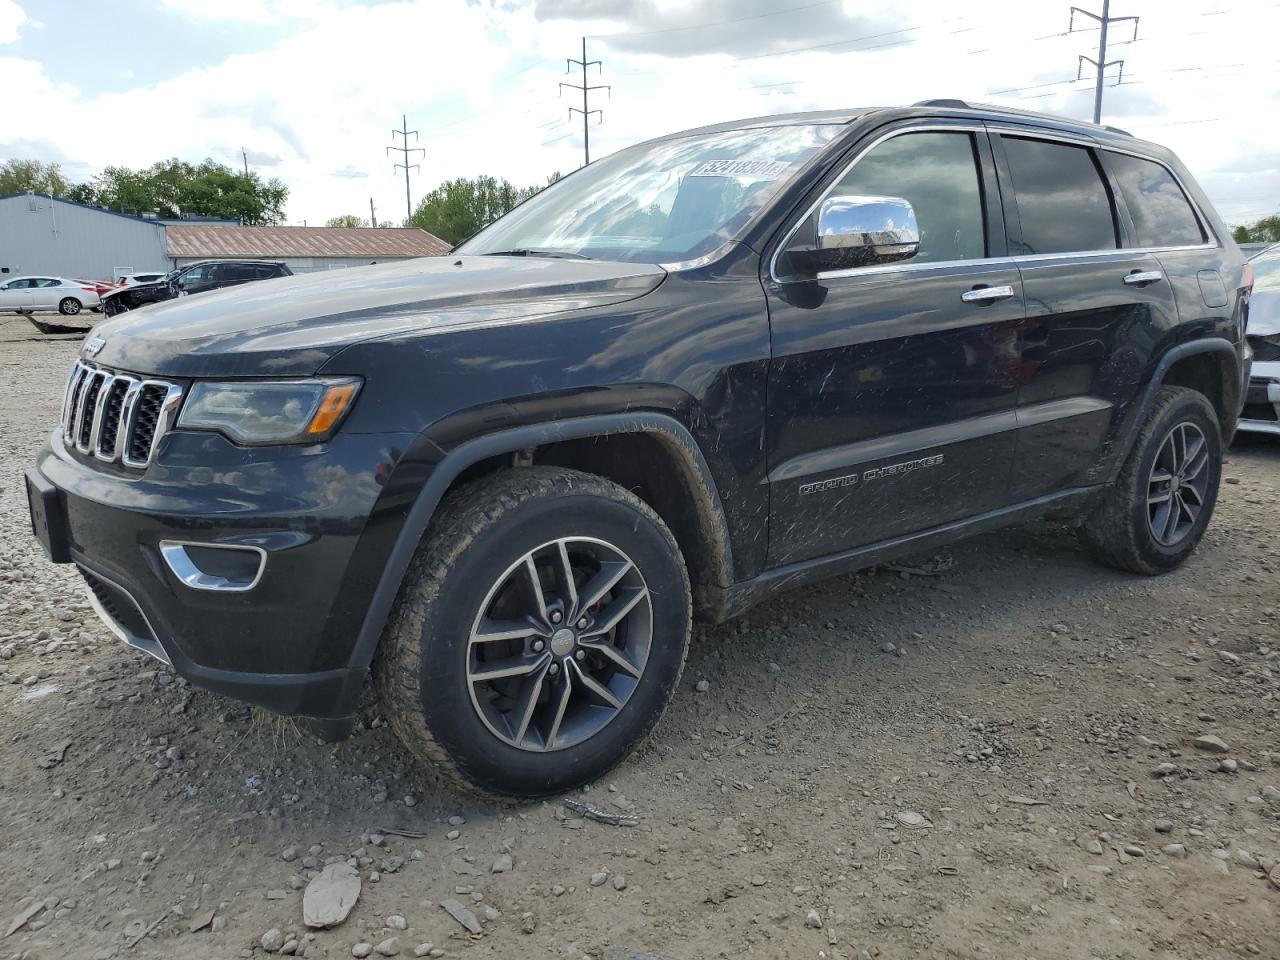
(40, 234)
(304, 249)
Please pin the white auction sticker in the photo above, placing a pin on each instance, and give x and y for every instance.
(753, 169)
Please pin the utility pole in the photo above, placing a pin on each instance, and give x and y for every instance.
(373, 217)
(585, 111)
(246, 161)
(405, 150)
(1101, 63)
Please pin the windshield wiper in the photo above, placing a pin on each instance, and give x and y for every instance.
(534, 252)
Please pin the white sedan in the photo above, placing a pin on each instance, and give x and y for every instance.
(29, 294)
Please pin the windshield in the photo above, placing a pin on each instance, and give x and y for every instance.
(1266, 269)
(658, 202)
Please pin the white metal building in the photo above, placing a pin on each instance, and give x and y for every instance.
(48, 235)
(40, 234)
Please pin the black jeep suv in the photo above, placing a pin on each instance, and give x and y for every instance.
(502, 482)
(194, 278)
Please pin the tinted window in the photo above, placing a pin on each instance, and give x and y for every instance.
(937, 173)
(1062, 200)
(46, 282)
(197, 275)
(266, 272)
(237, 271)
(1161, 215)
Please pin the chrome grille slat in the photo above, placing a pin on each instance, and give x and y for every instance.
(117, 417)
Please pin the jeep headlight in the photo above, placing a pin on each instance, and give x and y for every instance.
(252, 412)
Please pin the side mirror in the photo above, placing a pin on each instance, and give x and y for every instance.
(180, 284)
(859, 232)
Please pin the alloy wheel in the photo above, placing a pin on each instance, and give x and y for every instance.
(1178, 485)
(560, 644)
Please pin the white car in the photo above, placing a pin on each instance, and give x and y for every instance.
(29, 294)
(1261, 412)
(130, 279)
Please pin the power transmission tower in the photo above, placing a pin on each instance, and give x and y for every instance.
(405, 150)
(1101, 63)
(585, 111)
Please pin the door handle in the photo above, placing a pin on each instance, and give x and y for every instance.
(987, 294)
(1141, 278)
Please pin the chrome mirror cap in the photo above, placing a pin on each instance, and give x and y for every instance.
(882, 229)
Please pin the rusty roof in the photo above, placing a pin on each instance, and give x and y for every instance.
(274, 243)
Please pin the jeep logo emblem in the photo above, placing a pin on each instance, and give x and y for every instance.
(93, 346)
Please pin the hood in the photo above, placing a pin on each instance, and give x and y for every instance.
(114, 291)
(291, 326)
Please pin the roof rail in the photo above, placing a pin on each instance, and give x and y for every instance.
(1013, 111)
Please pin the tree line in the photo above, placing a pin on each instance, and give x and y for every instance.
(169, 188)
(458, 208)
(1266, 230)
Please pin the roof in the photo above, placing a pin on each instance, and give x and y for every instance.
(218, 242)
(86, 206)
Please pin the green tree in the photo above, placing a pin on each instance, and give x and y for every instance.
(458, 208)
(346, 220)
(1266, 230)
(175, 187)
(21, 176)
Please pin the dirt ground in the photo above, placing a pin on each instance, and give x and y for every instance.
(984, 789)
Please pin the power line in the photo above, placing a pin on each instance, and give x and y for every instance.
(586, 89)
(405, 150)
(1101, 64)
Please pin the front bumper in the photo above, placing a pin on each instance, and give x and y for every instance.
(1261, 413)
(284, 638)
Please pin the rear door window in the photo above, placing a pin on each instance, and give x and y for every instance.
(1062, 198)
(1161, 214)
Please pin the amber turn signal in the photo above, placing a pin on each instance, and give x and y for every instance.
(333, 405)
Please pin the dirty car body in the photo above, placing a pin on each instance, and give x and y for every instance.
(787, 422)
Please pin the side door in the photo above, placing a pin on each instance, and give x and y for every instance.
(1095, 308)
(16, 294)
(198, 279)
(46, 292)
(891, 388)
(232, 274)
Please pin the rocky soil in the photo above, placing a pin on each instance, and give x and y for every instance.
(1003, 752)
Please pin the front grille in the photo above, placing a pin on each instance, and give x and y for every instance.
(115, 417)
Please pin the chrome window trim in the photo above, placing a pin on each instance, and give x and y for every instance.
(997, 127)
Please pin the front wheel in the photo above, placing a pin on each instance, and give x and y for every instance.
(1152, 518)
(539, 635)
(69, 306)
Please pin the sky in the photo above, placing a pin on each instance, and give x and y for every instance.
(310, 90)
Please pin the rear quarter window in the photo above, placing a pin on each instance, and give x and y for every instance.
(1161, 214)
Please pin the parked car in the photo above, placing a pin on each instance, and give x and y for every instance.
(701, 370)
(194, 278)
(29, 294)
(1261, 412)
(133, 279)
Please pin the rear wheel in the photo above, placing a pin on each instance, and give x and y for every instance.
(1152, 518)
(540, 633)
(69, 306)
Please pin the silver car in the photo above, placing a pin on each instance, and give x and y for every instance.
(1261, 412)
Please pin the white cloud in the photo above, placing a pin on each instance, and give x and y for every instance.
(479, 80)
(12, 18)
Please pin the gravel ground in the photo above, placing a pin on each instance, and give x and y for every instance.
(984, 755)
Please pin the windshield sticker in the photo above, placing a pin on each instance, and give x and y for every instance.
(752, 169)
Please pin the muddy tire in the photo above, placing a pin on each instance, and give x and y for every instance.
(539, 634)
(1154, 515)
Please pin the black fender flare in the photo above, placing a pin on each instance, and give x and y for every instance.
(1163, 366)
(472, 452)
